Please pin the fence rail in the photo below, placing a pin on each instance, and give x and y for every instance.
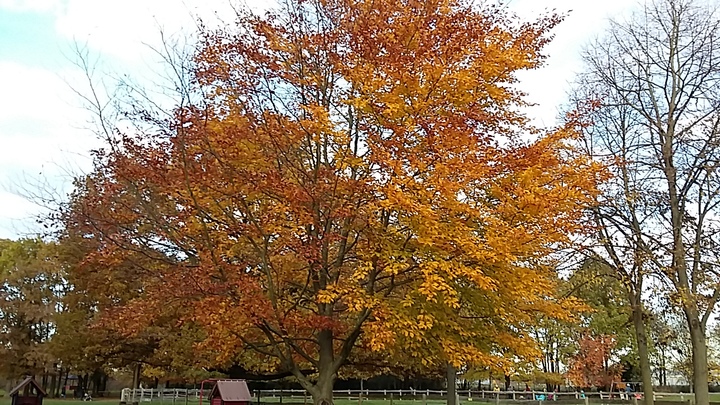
(189, 396)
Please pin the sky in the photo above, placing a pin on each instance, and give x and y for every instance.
(45, 135)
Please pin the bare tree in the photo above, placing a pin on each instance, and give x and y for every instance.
(626, 206)
(658, 79)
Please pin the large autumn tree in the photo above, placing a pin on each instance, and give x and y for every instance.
(345, 182)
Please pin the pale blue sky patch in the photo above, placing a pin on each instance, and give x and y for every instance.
(28, 37)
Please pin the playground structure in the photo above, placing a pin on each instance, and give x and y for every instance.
(230, 392)
(28, 392)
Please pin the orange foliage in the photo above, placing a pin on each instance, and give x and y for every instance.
(350, 187)
(592, 365)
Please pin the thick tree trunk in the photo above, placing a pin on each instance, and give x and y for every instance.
(699, 356)
(642, 346)
(322, 391)
(451, 384)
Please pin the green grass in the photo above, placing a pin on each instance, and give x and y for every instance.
(52, 401)
(341, 399)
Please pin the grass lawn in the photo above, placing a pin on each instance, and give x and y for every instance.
(341, 399)
(51, 401)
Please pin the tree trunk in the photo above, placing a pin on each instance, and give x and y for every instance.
(642, 346)
(451, 384)
(53, 384)
(699, 356)
(684, 285)
(103, 384)
(96, 382)
(67, 375)
(322, 390)
(136, 376)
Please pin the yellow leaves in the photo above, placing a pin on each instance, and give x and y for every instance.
(425, 322)
(326, 296)
(378, 336)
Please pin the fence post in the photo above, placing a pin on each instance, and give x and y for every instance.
(391, 398)
(424, 399)
(586, 400)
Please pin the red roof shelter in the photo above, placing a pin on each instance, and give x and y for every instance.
(230, 392)
(27, 392)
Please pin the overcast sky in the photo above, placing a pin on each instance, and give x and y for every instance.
(43, 128)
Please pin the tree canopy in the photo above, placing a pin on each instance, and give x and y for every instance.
(342, 175)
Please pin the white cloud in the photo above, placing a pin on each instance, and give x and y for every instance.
(547, 87)
(41, 142)
(125, 29)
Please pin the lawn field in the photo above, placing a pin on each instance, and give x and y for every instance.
(294, 401)
(50, 401)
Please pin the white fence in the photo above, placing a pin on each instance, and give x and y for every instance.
(190, 396)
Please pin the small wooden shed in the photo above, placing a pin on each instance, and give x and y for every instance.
(28, 392)
(230, 392)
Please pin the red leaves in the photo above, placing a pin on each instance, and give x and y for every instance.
(593, 365)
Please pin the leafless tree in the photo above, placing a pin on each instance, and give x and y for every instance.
(657, 77)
